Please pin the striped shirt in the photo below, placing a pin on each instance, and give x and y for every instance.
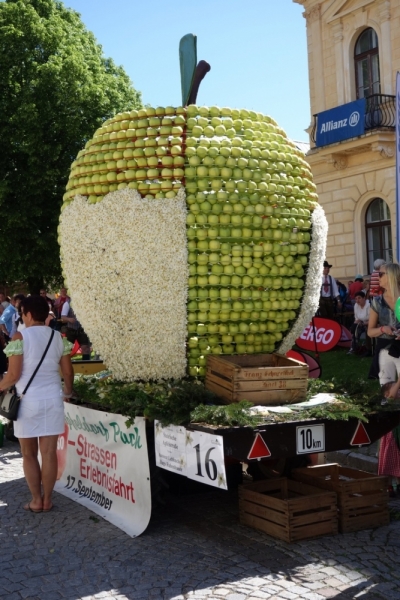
(375, 288)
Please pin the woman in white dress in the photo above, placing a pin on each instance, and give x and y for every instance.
(41, 413)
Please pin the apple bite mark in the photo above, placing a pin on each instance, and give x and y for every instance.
(129, 286)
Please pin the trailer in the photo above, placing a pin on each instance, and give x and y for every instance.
(300, 438)
(290, 439)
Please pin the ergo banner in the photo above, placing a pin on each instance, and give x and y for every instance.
(104, 465)
(320, 335)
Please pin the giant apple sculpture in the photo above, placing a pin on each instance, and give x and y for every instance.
(189, 231)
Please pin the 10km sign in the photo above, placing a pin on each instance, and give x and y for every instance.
(310, 439)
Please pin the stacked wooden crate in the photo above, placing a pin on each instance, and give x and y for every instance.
(288, 510)
(265, 379)
(362, 497)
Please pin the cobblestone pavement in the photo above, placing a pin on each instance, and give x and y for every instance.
(193, 549)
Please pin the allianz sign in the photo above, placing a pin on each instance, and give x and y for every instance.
(340, 123)
(352, 121)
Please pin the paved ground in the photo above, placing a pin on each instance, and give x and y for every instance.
(364, 458)
(194, 549)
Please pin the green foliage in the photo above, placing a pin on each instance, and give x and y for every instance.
(354, 398)
(336, 411)
(56, 88)
(188, 401)
(168, 402)
(364, 392)
(233, 415)
(94, 519)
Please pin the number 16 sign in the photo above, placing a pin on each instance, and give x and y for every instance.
(205, 458)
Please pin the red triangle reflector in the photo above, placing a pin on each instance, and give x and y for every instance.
(360, 436)
(259, 448)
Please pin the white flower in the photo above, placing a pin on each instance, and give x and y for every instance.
(312, 287)
(125, 261)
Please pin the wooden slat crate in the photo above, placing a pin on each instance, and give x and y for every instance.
(288, 510)
(266, 379)
(362, 497)
(88, 367)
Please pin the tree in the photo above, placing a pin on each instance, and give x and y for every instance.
(56, 88)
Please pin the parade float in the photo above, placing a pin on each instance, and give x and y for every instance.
(201, 245)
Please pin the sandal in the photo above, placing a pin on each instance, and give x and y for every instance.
(34, 510)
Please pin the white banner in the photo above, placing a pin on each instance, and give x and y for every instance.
(170, 447)
(205, 459)
(193, 454)
(104, 465)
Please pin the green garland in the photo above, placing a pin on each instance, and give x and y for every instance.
(168, 402)
(188, 401)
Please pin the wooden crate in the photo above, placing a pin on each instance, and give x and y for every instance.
(267, 379)
(88, 367)
(288, 510)
(362, 497)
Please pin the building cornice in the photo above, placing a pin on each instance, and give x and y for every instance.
(338, 9)
(313, 14)
(337, 156)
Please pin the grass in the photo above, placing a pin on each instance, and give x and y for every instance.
(337, 363)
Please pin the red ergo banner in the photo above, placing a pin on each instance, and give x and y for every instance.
(320, 335)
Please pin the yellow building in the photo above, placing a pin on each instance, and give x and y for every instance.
(354, 54)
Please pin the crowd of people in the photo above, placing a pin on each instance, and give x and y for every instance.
(61, 317)
(351, 304)
(374, 316)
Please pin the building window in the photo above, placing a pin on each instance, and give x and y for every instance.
(379, 233)
(366, 62)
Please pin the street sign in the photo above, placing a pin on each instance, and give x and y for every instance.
(360, 437)
(310, 438)
(259, 449)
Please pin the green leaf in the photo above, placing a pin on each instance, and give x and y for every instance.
(188, 62)
(185, 401)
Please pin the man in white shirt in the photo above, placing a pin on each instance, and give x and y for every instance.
(329, 292)
(361, 317)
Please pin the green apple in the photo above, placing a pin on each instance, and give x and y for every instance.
(249, 195)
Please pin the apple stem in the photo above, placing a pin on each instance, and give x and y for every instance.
(201, 71)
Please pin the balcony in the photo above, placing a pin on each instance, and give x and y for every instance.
(380, 113)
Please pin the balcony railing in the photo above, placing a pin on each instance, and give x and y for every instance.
(380, 113)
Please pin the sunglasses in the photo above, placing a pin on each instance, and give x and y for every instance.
(381, 273)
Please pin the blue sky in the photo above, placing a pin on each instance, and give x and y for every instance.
(257, 51)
